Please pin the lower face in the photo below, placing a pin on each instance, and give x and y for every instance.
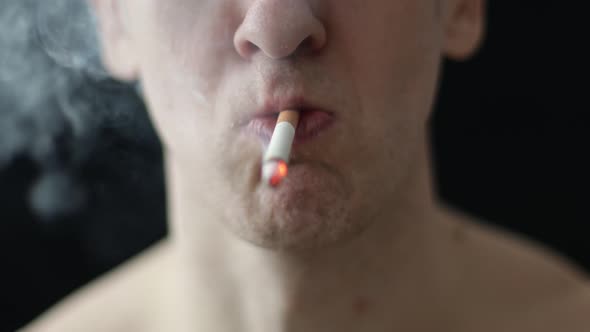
(377, 74)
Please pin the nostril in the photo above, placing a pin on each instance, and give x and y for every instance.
(249, 48)
(308, 45)
(245, 47)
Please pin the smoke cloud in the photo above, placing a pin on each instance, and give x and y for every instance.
(55, 97)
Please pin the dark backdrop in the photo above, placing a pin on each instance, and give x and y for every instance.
(509, 137)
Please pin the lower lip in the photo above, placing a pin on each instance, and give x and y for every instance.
(311, 124)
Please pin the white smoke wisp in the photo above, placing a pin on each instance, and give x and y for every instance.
(55, 96)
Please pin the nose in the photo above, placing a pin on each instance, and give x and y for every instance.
(279, 28)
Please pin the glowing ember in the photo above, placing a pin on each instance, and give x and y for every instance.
(280, 172)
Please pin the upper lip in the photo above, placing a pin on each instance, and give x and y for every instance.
(273, 107)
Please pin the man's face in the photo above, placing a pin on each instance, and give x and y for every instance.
(208, 66)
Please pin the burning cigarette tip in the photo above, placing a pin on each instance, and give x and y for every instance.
(274, 172)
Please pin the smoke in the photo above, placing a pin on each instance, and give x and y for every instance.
(55, 97)
(73, 44)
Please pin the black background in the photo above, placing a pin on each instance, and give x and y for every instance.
(510, 137)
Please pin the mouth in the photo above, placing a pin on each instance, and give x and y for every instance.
(313, 121)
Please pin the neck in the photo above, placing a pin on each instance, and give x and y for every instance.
(227, 284)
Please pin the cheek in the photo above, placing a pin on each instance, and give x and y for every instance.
(395, 61)
(198, 36)
(394, 67)
(184, 49)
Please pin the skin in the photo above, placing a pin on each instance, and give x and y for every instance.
(355, 239)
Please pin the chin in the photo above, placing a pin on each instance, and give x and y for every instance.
(285, 233)
(300, 215)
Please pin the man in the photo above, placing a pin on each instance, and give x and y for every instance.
(353, 239)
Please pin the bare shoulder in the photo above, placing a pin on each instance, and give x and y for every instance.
(513, 283)
(569, 311)
(115, 302)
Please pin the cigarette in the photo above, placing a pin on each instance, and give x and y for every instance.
(276, 158)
